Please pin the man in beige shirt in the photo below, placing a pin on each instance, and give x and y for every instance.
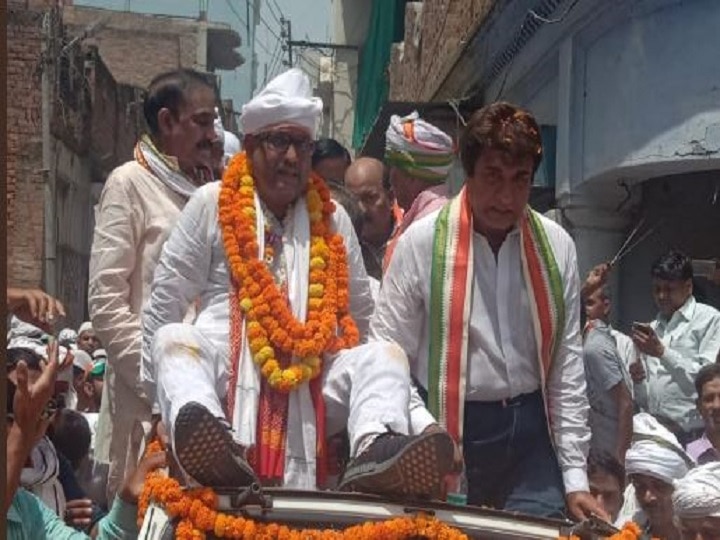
(138, 207)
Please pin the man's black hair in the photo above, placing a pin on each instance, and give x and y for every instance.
(168, 91)
(705, 375)
(31, 358)
(328, 149)
(603, 461)
(673, 266)
(71, 436)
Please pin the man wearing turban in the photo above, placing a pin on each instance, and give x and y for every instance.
(273, 363)
(696, 502)
(654, 461)
(419, 156)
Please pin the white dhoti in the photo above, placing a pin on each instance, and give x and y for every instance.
(365, 388)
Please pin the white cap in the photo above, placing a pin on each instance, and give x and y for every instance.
(286, 99)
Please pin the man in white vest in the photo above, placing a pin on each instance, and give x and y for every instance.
(483, 296)
(274, 364)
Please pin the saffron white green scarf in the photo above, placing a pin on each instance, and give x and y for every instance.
(451, 296)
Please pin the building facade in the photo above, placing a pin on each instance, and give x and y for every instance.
(627, 93)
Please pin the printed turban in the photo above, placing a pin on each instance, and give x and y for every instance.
(697, 494)
(418, 148)
(655, 451)
(286, 99)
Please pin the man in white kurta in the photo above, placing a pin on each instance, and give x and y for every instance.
(139, 204)
(510, 460)
(189, 367)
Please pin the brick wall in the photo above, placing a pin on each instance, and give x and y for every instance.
(24, 147)
(436, 32)
(137, 47)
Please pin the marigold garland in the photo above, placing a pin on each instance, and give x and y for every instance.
(196, 511)
(271, 325)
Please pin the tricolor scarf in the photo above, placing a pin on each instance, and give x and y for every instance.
(451, 292)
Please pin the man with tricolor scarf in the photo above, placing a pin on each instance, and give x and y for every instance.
(139, 204)
(483, 296)
(275, 361)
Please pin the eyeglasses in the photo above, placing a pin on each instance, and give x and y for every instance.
(281, 141)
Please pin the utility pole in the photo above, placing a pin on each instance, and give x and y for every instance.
(286, 34)
(49, 200)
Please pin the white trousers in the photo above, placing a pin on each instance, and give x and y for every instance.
(366, 388)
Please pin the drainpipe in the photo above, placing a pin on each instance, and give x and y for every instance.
(49, 228)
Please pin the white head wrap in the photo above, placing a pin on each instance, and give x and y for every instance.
(418, 148)
(231, 146)
(288, 99)
(67, 337)
(217, 124)
(655, 451)
(82, 360)
(84, 327)
(698, 493)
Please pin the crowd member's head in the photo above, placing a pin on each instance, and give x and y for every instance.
(367, 180)
(672, 282)
(330, 160)
(419, 156)
(34, 362)
(707, 385)
(500, 150)
(280, 125)
(87, 338)
(179, 110)
(597, 305)
(94, 384)
(654, 461)
(71, 436)
(82, 364)
(696, 502)
(606, 476)
(68, 338)
(344, 198)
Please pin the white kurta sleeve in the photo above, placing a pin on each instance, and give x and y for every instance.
(117, 233)
(566, 387)
(399, 318)
(181, 273)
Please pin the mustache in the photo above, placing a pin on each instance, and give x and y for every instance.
(202, 145)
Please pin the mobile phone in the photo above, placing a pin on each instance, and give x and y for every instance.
(643, 328)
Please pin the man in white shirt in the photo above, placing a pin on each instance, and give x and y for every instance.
(138, 207)
(484, 297)
(684, 337)
(274, 362)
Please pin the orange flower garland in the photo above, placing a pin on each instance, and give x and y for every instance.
(270, 324)
(196, 510)
(630, 531)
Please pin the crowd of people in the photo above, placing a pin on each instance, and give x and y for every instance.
(278, 313)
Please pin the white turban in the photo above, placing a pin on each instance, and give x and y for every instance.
(288, 99)
(82, 360)
(231, 146)
(85, 327)
(698, 493)
(655, 451)
(418, 148)
(217, 124)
